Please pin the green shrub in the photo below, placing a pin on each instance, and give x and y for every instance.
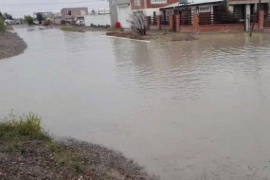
(2, 24)
(22, 128)
(71, 28)
(16, 131)
(29, 20)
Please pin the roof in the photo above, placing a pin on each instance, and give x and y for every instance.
(47, 12)
(193, 3)
(8, 20)
(75, 8)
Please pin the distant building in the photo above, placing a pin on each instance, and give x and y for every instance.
(120, 11)
(18, 21)
(74, 12)
(99, 11)
(70, 15)
(9, 22)
(57, 18)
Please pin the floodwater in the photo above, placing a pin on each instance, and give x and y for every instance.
(185, 110)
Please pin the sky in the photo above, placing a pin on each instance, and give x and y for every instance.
(19, 8)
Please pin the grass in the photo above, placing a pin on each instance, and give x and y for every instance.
(21, 129)
(2, 24)
(113, 29)
(71, 29)
(15, 131)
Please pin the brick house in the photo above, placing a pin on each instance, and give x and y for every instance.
(150, 7)
(73, 12)
(213, 15)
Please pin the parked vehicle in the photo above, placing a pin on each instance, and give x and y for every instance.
(80, 23)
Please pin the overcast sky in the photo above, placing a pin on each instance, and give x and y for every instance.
(19, 8)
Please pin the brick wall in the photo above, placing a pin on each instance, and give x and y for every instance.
(149, 4)
(187, 28)
(134, 6)
(196, 27)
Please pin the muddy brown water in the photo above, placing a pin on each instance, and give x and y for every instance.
(185, 110)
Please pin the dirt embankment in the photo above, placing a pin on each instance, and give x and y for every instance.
(11, 45)
(28, 152)
(93, 162)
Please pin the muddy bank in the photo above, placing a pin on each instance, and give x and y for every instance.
(35, 161)
(28, 152)
(11, 45)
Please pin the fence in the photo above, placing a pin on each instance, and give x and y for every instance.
(267, 20)
(187, 22)
(186, 19)
(153, 20)
(221, 18)
(254, 18)
(164, 20)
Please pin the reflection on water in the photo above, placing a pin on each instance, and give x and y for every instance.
(185, 110)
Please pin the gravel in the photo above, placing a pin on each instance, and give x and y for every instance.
(36, 162)
(11, 45)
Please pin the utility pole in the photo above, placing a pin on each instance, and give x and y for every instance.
(254, 21)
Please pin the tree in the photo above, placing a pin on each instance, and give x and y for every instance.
(223, 8)
(40, 18)
(138, 23)
(29, 20)
(7, 16)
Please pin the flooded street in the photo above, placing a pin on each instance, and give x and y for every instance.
(185, 110)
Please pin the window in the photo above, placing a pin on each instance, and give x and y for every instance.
(68, 12)
(137, 2)
(83, 12)
(204, 9)
(194, 10)
(158, 1)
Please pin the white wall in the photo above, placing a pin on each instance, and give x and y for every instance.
(124, 12)
(149, 11)
(97, 19)
(202, 9)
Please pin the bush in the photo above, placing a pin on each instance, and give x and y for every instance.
(2, 24)
(71, 29)
(138, 23)
(22, 128)
(17, 132)
(29, 20)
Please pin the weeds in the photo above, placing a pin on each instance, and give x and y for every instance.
(63, 158)
(9, 28)
(71, 28)
(23, 128)
(15, 131)
(2, 24)
(53, 147)
(78, 167)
